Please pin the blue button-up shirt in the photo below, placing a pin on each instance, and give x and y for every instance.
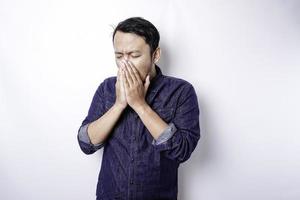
(134, 164)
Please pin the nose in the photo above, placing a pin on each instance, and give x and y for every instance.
(126, 57)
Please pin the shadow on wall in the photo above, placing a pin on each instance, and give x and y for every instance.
(202, 155)
(194, 167)
(165, 60)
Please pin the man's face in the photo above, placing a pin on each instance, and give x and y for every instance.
(129, 46)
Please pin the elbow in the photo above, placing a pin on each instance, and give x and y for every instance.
(188, 147)
(184, 152)
(86, 148)
(182, 147)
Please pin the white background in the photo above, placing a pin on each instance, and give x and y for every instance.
(242, 57)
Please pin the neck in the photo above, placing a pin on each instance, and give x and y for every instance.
(153, 72)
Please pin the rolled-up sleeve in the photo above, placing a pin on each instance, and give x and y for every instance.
(165, 135)
(96, 110)
(182, 141)
(84, 138)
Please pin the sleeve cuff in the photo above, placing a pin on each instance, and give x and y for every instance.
(165, 135)
(84, 137)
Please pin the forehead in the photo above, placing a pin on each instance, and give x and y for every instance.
(126, 42)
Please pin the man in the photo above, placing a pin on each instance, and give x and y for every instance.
(146, 122)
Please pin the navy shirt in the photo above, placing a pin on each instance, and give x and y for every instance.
(134, 165)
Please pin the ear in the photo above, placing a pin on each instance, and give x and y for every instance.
(156, 55)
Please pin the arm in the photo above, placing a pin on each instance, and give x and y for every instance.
(151, 120)
(92, 133)
(99, 123)
(186, 129)
(84, 138)
(99, 129)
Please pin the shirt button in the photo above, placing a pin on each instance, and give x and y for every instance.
(131, 182)
(132, 159)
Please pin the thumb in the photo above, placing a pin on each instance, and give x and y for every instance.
(147, 83)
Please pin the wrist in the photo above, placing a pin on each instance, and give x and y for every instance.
(141, 109)
(119, 106)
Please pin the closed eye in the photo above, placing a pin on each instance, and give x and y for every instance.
(118, 56)
(135, 56)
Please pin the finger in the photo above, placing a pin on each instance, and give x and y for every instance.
(122, 65)
(127, 75)
(131, 72)
(118, 77)
(135, 72)
(119, 74)
(147, 83)
(124, 79)
(122, 82)
(127, 72)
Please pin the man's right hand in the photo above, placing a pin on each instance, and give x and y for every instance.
(120, 91)
(99, 129)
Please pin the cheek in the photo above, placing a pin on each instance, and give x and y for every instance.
(143, 68)
(143, 65)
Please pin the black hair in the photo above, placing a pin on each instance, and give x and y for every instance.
(140, 27)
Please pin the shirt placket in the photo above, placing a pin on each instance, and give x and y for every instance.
(134, 125)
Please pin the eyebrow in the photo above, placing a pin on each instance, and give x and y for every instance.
(135, 51)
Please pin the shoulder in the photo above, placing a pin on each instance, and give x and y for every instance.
(177, 83)
(109, 80)
(107, 86)
(182, 91)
